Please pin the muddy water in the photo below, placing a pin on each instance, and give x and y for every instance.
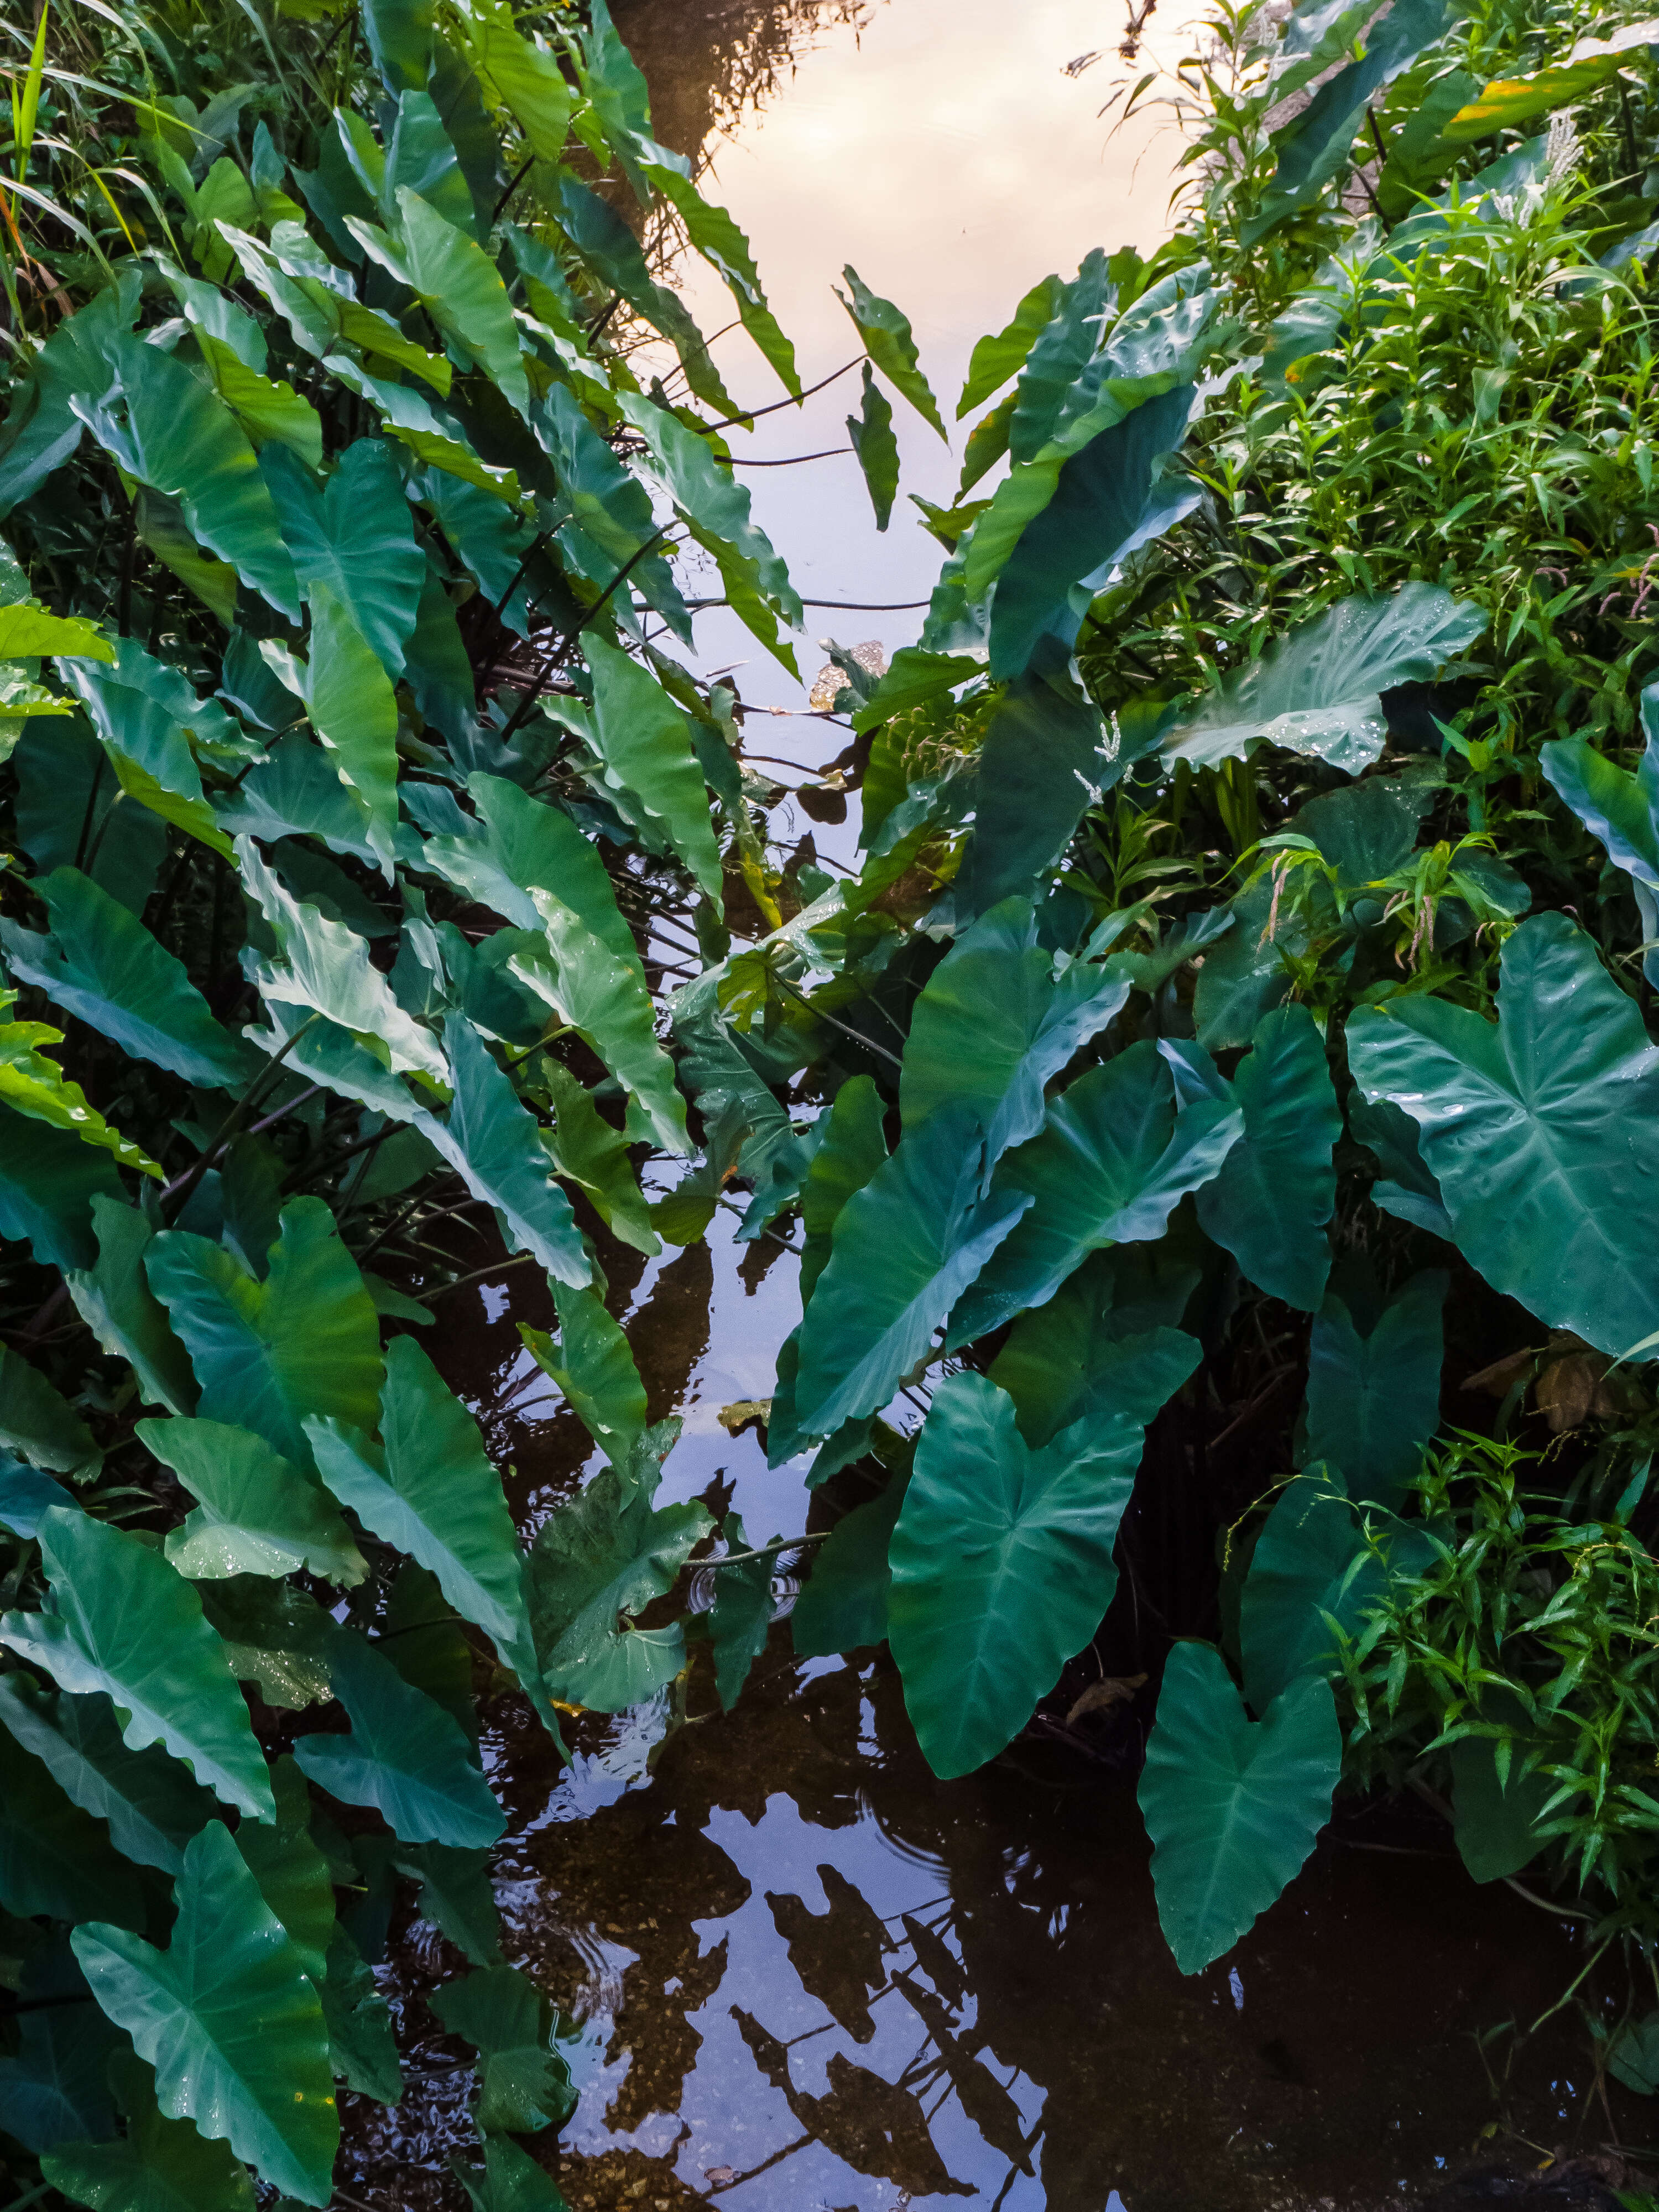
(800, 1974)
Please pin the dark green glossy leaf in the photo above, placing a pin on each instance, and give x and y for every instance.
(427, 1488)
(159, 2165)
(996, 358)
(1314, 690)
(645, 744)
(590, 1151)
(1619, 808)
(741, 1615)
(55, 2089)
(509, 2180)
(228, 2019)
(362, 2048)
(349, 697)
(456, 1895)
(355, 535)
(100, 963)
(150, 1804)
(125, 1623)
(993, 1025)
(1043, 760)
(404, 1754)
(256, 1513)
(49, 1183)
(1277, 1187)
(612, 252)
(592, 1363)
(1233, 1806)
(871, 433)
(906, 1246)
(1374, 1395)
(888, 340)
(55, 1858)
(844, 1603)
(1114, 1157)
(1495, 1821)
(1309, 1561)
(1001, 1558)
(1540, 1131)
(606, 1554)
(305, 1340)
(64, 788)
(292, 1873)
(495, 1144)
(854, 1145)
(275, 1635)
(528, 844)
(297, 791)
(38, 1421)
(114, 1298)
(524, 2083)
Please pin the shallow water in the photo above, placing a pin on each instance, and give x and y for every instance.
(802, 1974)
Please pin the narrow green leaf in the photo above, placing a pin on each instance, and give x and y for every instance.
(1043, 760)
(305, 1340)
(724, 247)
(459, 285)
(1233, 1806)
(888, 340)
(37, 1087)
(509, 2180)
(871, 433)
(404, 1754)
(257, 1514)
(610, 248)
(228, 2019)
(1001, 1558)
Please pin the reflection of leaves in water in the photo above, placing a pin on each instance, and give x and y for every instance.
(938, 1961)
(710, 62)
(656, 2027)
(875, 2126)
(836, 1954)
(981, 2096)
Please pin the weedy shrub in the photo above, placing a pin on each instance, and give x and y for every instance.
(1247, 974)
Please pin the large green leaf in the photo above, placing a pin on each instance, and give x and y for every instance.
(102, 964)
(55, 1858)
(35, 1085)
(906, 1246)
(993, 1025)
(290, 1870)
(55, 2089)
(296, 790)
(527, 845)
(159, 2165)
(362, 2047)
(350, 699)
(1374, 1391)
(1496, 1817)
(429, 1489)
(255, 1515)
(854, 1145)
(496, 1145)
(124, 1622)
(589, 1150)
(229, 2020)
(38, 1420)
(999, 355)
(355, 536)
(151, 1807)
(1619, 808)
(1310, 1561)
(888, 340)
(844, 1603)
(49, 1183)
(167, 430)
(461, 289)
(645, 745)
(602, 1556)
(1277, 1187)
(305, 1340)
(605, 999)
(326, 969)
(524, 2083)
(740, 1618)
(404, 1754)
(114, 1298)
(147, 737)
(275, 1635)
(1115, 1156)
(1315, 690)
(1540, 1131)
(1233, 1806)
(1002, 1560)
(592, 1364)
(1042, 762)
(509, 2180)
(1107, 499)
